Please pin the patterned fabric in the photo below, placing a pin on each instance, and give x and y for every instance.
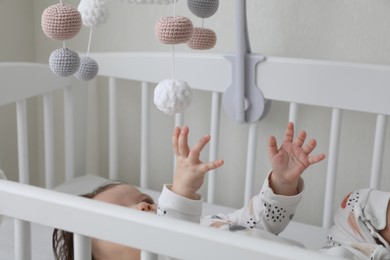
(355, 234)
(61, 22)
(266, 211)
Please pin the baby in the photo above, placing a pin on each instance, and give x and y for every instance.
(361, 227)
(269, 211)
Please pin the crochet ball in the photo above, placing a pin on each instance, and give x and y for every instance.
(61, 22)
(88, 69)
(203, 8)
(64, 62)
(173, 30)
(93, 12)
(172, 96)
(202, 39)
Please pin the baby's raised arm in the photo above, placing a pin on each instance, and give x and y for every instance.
(290, 160)
(190, 170)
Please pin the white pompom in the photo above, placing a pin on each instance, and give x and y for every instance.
(93, 12)
(172, 96)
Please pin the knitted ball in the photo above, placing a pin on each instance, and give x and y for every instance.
(202, 39)
(203, 8)
(88, 69)
(172, 96)
(64, 62)
(173, 30)
(61, 22)
(93, 12)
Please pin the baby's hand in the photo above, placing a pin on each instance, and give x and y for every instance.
(290, 160)
(190, 171)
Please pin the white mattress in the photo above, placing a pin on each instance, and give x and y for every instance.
(312, 237)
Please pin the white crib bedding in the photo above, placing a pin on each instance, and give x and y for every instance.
(311, 236)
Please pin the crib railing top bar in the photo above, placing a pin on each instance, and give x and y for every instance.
(304, 81)
(98, 219)
(358, 87)
(154, 67)
(20, 80)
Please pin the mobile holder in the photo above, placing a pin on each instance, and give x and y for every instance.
(243, 100)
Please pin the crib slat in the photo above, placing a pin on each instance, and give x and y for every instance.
(113, 130)
(22, 240)
(293, 114)
(145, 104)
(69, 136)
(250, 161)
(377, 157)
(331, 171)
(214, 132)
(82, 247)
(48, 139)
(179, 121)
(22, 141)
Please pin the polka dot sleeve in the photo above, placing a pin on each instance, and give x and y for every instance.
(266, 211)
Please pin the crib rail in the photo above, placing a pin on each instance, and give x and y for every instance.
(335, 85)
(175, 238)
(20, 81)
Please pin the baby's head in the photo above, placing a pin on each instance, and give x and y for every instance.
(363, 217)
(118, 193)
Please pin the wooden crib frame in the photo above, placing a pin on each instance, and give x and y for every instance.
(279, 79)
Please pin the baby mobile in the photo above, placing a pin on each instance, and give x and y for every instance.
(63, 22)
(173, 96)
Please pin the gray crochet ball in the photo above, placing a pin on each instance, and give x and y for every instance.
(64, 62)
(203, 8)
(88, 69)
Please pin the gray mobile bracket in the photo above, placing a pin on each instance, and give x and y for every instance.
(243, 100)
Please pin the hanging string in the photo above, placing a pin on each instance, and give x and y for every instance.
(202, 22)
(63, 44)
(89, 41)
(173, 46)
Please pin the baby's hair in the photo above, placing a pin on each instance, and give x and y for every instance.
(62, 241)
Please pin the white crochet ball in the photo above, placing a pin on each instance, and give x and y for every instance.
(93, 12)
(88, 69)
(172, 96)
(64, 62)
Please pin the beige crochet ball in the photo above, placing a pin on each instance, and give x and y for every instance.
(61, 22)
(173, 30)
(202, 39)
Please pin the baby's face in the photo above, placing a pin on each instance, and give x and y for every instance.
(128, 196)
(385, 233)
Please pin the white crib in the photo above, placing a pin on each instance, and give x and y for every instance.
(332, 85)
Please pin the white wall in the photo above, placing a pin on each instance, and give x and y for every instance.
(347, 30)
(17, 43)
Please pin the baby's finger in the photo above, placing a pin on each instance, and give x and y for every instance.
(289, 134)
(205, 167)
(300, 138)
(316, 158)
(198, 147)
(272, 146)
(175, 142)
(184, 149)
(309, 147)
